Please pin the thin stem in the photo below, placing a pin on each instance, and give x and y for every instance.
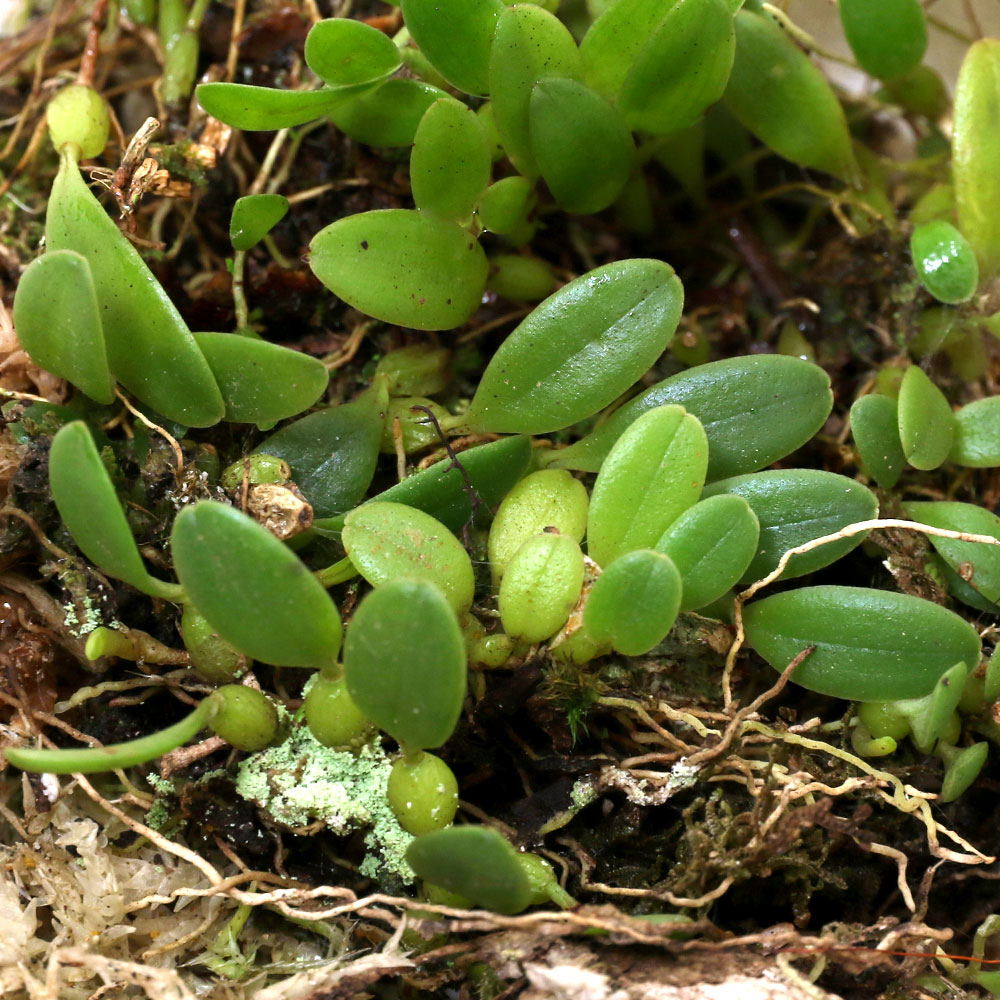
(339, 572)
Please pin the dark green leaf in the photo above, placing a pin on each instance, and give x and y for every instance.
(888, 38)
(875, 426)
(254, 216)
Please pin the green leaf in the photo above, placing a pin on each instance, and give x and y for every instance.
(450, 162)
(529, 44)
(520, 279)
(92, 513)
(871, 645)
(333, 452)
(875, 426)
(254, 591)
(475, 862)
(58, 322)
(962, 770)
(387, 541)
(441, 491)
(975, 144)
(149, 348)
(402, 266)
(261, 382)
(553, 369)
(654, 472)
(254, 216)
(888, 38)
(926, 423)
(778, 94)
(455, 35)
(977, 434)
(387, 115)
(505, 206)
(978, 565)
(755, 410)
(580, 143)
(944, 260)
(404, 663)
(681, 69)
(261, 109)
(712, 544)
(540, 587)
(930, 716)
(343, 52)
(795, 506)
(633, 604)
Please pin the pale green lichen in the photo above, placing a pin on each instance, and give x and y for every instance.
(301, 780)
(582, 794)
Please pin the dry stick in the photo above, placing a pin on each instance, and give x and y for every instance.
(92, 46)
(847, 532)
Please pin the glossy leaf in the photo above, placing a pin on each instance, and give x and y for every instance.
(871, 645)
(404, 663)
(712, 544)
(253, 590)
(529, 44)
(345, 52)
(387, 115)
(977, 434)
(779, 94)
(795, 506)
(580, 144)
(450, 161)
(254, 216)
(977, 565)
(402, 266)
(755, 410)
(58, 322)
(333, 452)
(387, 541)
(262, 383)
(261, 109)
(654, 472)
(875, 427)
(926, 424)
(455, 35)
(552, 370)
(540, 587)
(441, 491)
(150, 349)
(975, 147)
(633, 604)
(888, 38)
(944, 260)
(681, 69)
(92, 513)
(505, 206)
(475, 862)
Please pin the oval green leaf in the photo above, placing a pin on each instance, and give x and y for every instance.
(871, 645)
(402, 266)
(944, 260)
(779, 94)
(654, 472)
(262, 383)
(58, 322)
(261, 109)
(553, 369)
(474, 861)
(343, 52)
(386, 541)
(633, 604)
(529, 44)
(404, 663)
(875, 426)
(795, 506)
(253, 590)
(505, 206)
(888, 38)
(333, 453)
(712, 544)
(977, 434)
(254, 216)
(450, 161)
(926, 423)
(387, 115)
(149, 347)
(92, 513)
(455, 35)
(755, 410)
(581, 144)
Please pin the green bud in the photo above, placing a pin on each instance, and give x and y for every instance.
(245, 718)
(423, 794)
(332, 716)
(258, 469)
(214, 658)
(78, 116)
